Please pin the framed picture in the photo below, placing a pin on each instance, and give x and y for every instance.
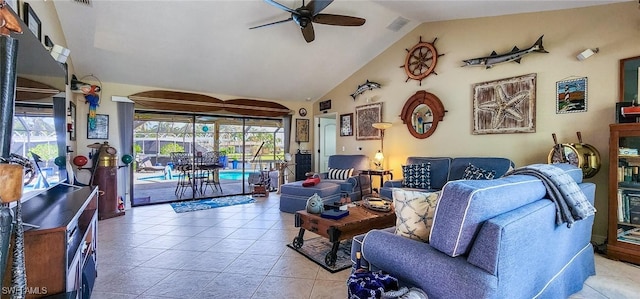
(505, 105)
(14, 5)
(325, 105)
(102, 127)
(71, 125)
(366, 116)
(65, 66)
(346, 124)
(571, 95)
(32, 21)
(302, 130)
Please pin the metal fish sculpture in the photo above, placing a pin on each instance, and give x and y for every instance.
(369, 85)
(8, 21)
(515, 55)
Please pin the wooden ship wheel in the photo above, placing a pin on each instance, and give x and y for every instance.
(421, 60)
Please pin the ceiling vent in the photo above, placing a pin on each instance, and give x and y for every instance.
(84, 2)
(397, 24)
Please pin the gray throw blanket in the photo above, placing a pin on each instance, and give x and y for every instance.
(571, 203)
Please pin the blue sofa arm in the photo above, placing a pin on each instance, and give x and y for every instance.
(392, 184)
(417, 264)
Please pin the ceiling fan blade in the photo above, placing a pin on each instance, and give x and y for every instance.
(328, 19)
(308, 33)
(278, 5)
(273, 23)
(316, 6)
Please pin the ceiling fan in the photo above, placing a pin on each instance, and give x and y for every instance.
(305, 15)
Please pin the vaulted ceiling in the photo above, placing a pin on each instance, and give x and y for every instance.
(207, 47)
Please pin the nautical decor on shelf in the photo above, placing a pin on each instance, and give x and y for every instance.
(515, 55)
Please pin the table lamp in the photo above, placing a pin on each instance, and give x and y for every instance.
(379, 155)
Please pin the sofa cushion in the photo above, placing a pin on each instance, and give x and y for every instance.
(465, 204)
(339, 174)
(323, 189)
(357, 162)
(439, 173)
(414, 213)
(499, 165)
(417, 175)
(476, 173)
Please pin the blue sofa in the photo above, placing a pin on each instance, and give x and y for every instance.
(490, 239)
(444, 169)
(293, 196)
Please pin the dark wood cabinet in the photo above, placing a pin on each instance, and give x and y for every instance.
(303, 165)
(624, 193)
(60, 253)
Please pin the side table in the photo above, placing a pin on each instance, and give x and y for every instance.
(377, 172)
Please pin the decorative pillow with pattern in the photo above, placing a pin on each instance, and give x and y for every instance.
(417, 176)
(339, 174)
(473, 172)
(414, 213)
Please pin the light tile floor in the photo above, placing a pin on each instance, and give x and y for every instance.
(239, 252)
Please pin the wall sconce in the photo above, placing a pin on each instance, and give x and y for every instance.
(60, 53)
(587, 53)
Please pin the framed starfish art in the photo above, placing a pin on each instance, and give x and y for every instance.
(505, 106)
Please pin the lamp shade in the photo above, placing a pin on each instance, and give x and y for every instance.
(379, 156)
(381, 125)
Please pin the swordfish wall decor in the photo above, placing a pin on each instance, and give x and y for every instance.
(515, 55)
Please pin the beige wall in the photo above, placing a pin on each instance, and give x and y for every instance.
(615, 29)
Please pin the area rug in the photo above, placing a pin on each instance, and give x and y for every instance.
(210, 203)
(317, 248)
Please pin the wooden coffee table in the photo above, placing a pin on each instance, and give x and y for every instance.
(360, 220)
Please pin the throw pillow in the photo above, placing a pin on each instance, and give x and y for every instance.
(339, 174)
(473, 172)
(417, 175)
(414, 213)
(310, 182)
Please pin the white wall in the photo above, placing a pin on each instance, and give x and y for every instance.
(615, 29)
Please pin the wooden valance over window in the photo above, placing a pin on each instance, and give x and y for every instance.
(162, 100)
(30, 90)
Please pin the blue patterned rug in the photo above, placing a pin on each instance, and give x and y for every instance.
(210, 203)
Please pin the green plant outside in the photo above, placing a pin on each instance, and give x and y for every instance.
(171, 148)
(45, 151)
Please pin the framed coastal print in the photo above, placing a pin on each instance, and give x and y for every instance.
(346, 124)
(366, 116)
(302, 130)
(571, 95)
(505, 105)
(102, 127)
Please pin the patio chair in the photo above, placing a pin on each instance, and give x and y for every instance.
(145, 165)
(209, 168)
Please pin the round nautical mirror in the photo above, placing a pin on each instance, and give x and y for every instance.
(421, 113)
(422, 119)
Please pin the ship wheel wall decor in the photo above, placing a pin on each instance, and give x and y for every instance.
(421, 60)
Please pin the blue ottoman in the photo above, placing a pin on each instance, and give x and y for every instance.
(293, 197)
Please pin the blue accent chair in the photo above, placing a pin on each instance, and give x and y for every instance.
(293, 196)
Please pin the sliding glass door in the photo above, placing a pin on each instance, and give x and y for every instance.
(185, 157)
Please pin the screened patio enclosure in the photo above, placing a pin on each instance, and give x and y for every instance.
(184, 157)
